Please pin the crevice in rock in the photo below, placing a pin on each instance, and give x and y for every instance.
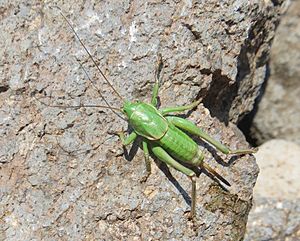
(220, 96)
(246, 123)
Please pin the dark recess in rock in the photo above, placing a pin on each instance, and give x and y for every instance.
(246, 123)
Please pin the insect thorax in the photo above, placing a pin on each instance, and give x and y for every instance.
(146, 120)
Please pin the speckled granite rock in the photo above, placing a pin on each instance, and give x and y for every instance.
(63, 177)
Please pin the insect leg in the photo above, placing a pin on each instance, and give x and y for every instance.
(127, 140)
(147, 161)
(180, 108)
(162, 155)
(193, 208)
(193, 129)
(158, 69)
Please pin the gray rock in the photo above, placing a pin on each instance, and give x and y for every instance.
(278, 161)
(63, 177)
(275, 214)
(271, 219)
(278, 115)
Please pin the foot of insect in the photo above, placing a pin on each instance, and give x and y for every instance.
(145, 177)
(125, 140)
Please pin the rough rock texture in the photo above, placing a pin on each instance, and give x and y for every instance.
(276, 211)
(278, 115)
(279, 164)
(63, 177)
(272, 219)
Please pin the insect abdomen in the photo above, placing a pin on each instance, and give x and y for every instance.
(181, 146)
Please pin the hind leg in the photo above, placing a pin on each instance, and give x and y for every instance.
(162, 155)
(195, 130)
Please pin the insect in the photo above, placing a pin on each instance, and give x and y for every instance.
(162, 134)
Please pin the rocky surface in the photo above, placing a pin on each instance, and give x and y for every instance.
(276, 211)
(272, 219)
(63, 177)
(278, 115)
(279, 164)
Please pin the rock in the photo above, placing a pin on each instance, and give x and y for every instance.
(275, 215)
(62, 174)
(272, 219)
(278, 114)
(279, 167)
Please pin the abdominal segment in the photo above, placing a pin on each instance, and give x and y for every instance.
(180, 146)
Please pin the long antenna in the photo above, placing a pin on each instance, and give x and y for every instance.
(79, 106)
(90, 55)
(99, 92)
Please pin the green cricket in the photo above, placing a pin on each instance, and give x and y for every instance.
(162, 134)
